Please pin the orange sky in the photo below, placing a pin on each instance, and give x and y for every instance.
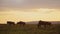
(30, 15)
(29, 10)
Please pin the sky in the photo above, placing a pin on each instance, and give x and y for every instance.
(29, 10)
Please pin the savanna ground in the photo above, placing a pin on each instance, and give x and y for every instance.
(29, 29)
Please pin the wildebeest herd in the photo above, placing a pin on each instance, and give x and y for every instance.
(44, 23)
(13, 23)
(40, 23)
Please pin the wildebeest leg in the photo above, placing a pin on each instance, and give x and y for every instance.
(49, 26)
(23, 24)
(39, 26)
(45, 26)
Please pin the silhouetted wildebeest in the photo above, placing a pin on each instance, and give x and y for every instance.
(10, 23)
(21, 23)
(44, 23)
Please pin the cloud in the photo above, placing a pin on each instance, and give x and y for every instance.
(30, 3)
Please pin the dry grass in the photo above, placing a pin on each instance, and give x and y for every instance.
(29, 29)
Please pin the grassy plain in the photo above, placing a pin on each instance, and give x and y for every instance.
(29, 29)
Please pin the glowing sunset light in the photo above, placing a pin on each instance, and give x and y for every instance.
(30, 15)
(29, 10)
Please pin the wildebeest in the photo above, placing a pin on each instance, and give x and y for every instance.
(21, 23)
(44, 23)
(10, 23)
